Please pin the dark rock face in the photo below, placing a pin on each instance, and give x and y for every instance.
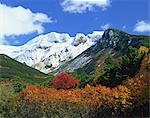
(113, 38)
(113, 34)
(119, 40)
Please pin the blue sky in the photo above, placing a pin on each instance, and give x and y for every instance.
(71, 17)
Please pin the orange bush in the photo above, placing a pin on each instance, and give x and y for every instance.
(92, 96)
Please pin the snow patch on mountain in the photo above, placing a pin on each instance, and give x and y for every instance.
(47, 52)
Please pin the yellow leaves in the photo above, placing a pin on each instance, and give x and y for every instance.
(96, 76)
(122, 98)
(88, 86)
(115, 108)
(143, 49)
(123, 101)
(116, 96)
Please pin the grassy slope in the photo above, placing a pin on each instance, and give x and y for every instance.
(11, 69)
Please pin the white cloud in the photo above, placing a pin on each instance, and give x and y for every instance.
(106, 26)
(124, 27)
(81, 6)
(19, 21)
(142, 26)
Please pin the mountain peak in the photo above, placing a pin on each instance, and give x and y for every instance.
(113, 38)
(110, 33)
(47, 52)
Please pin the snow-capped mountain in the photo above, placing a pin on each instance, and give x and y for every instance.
(47, 52)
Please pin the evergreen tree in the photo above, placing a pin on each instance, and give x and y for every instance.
(114, 73)
(111, 73)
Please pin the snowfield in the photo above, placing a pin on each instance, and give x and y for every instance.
(47, 52)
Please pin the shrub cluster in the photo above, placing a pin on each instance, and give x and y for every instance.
(115, 72)
(88, 102)
(64, 81)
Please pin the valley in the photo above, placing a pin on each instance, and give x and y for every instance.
(103, 74)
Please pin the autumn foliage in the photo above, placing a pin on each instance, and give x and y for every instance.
(131, 99)
(63, 81)
(99, 101)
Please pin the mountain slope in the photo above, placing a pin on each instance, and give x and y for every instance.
(113, 43)
(11, 69)
(47, 52)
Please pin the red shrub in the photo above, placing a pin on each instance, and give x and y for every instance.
(63, 81)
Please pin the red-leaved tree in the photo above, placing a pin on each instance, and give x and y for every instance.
(64, 81)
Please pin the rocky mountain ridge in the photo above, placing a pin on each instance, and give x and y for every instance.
(113, 43)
